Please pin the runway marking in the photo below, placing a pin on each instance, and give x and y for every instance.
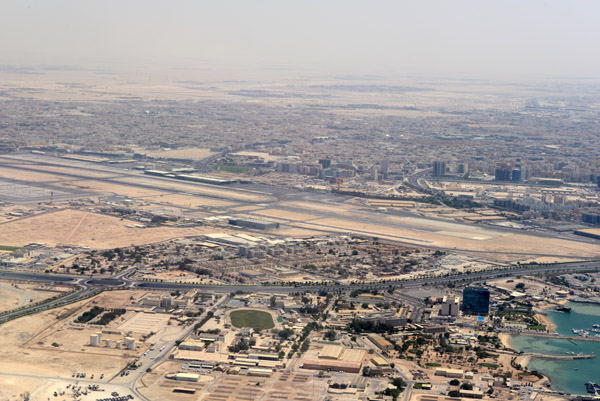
(76, 228)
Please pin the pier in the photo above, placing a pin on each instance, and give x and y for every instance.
(560, 357)
(554, 336)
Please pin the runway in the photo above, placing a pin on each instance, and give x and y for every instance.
(299, 213)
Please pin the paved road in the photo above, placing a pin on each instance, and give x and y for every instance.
(82, 292)
(162, 348)
(415, 283)
(90, 286)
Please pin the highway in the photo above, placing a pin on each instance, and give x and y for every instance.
(120, 282)
(81, 291)
(89, 286)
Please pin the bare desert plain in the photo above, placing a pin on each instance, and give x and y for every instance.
(79, 228)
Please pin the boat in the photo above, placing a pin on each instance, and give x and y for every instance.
(590, 387)
(563, 309)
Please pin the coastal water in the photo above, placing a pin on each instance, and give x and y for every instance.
(566, 375)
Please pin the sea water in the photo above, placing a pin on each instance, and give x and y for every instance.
(571, 375)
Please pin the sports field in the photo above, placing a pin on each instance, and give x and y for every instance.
(252, 318)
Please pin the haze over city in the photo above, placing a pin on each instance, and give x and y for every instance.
(436, 39)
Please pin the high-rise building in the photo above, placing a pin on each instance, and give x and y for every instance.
(385, 168)
(325, 163)
(590, 218)
(439, 169)
(287, 167)
(502, 174)
(449, 307)
(476, 301)
(165, 302)
(374, 173)
(517, 175)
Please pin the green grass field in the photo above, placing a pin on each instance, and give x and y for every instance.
(8, 248)
(252, 318)
(489, 365)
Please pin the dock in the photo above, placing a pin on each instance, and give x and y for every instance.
(554, 336)
(560, 357)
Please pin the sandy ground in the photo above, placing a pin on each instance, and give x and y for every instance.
(264, 155)
(232, 195)
(88, 171)
(46, 391)
(12, 387)
(543, 319)
(505, 340)
(189, 153)
(28, 175)
(78, 228)
(107, 188)
(187, 201)
(17, 338)
(17, 295)
(287, 215)
(246, 208)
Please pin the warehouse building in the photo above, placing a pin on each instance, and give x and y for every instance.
(453, 373)
(381, 342)
(254, 223)
(332, 365)
(187, 377)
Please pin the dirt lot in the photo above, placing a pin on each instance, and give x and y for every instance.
(107, 188)
(20, 354)
(17, 295)
(233, 195)
(28, 175)
(67, 336)
(284, 214)
(189, 153)
(187, 201)
(78, 228)
(11, 387)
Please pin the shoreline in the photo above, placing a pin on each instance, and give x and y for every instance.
(545, 320)
(505, 340)
(542, 319)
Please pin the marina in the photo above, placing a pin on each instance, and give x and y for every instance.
(575, 338)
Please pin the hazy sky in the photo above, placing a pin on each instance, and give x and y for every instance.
(479, 38)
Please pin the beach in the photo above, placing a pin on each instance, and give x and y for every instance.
(505, 340)
(544, 320)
